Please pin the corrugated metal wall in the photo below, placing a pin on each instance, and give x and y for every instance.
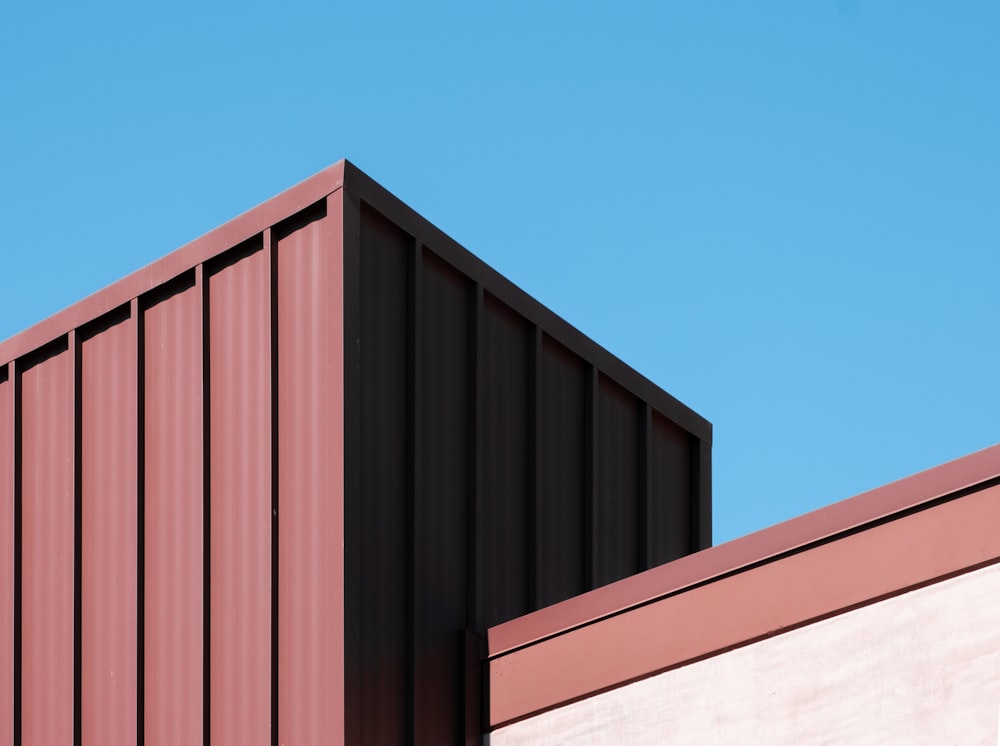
(272, 488)
(140, 450)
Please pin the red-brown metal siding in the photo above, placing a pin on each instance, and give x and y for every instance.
(6, 557)
(48, 467)
(273, 487)
(109, 570)
(140, 489)
(240, 488)
(310, 427)
(174, 516)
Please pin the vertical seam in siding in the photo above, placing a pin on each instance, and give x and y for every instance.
(271, 257)
(352, 446)
(5, 377)
(140, 518)
(15, 380)
(75, 352)
(336, 206)
(201, 285)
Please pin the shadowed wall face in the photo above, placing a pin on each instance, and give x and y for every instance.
(499, 471)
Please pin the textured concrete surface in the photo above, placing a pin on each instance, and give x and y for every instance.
(920, 668)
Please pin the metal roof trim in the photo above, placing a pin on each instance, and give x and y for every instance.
(817, 527)
(216, 241)
(913, 550)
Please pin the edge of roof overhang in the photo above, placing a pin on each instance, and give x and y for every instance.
(217, 241)
(909, 534)
(782, 539)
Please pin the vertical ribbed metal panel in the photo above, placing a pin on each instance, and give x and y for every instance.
(109, 570)
(381, 551)
(6, 557)
(616, 517)
(561, 467)
(440, 521)
(273, 488)
(240, 497)
(701, 490)
(502, 557)
(669, 524)
(498, 471)
(310, 432)
(503, 463)
(47, 546)
(174, 517)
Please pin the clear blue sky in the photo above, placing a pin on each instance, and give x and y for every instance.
(784, 213)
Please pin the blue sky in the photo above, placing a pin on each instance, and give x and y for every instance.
(784, 213)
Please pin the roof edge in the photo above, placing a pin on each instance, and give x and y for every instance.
(509, 292)
(229, 234)
(796, 534)
(916, 549)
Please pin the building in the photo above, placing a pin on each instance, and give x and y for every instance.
(322, 476)
(275, 486)
(872, 621)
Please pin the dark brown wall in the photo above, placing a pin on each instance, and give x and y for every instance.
(505, 462)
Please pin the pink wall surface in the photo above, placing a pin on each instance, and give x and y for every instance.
(139, 445)
(919, 668)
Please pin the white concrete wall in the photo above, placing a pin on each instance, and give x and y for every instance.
(920, 668)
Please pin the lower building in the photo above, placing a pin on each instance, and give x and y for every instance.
(875, 620)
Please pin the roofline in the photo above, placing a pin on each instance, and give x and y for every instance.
(229, 234)
(505, 290)
(931, 541)
(345, 174)
(795, 535)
